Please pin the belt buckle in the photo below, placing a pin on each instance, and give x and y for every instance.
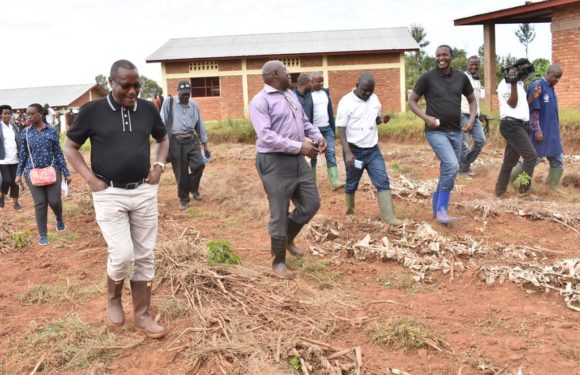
(132, 185)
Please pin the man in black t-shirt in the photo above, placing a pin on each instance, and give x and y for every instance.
(124, 187)
(443, 88)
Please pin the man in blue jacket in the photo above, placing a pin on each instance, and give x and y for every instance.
(545, 124)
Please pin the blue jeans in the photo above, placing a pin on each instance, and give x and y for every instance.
(330, 153)
(374, 164)
(468, 156)
(555, 161)
(447, 147)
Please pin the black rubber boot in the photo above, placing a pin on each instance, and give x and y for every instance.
(293, 230)
(279, 258)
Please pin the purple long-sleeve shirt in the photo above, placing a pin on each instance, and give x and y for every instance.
(280, 122)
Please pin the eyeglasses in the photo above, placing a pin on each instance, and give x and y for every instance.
(127, 86)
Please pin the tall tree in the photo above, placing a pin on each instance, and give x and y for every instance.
(148, 88)
(102, 80)
(418, 33)
(526, 35)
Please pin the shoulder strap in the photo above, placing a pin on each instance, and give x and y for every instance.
(28, 145)
(169, 124)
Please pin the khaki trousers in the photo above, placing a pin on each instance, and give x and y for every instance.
(128, 221)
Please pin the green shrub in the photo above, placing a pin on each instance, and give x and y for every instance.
(220, 252)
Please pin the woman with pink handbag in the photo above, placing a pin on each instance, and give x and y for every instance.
(42, 163)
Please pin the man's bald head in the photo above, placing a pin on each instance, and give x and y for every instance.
(365, 86)
(553, 74)
(275, 74)
(366, 77)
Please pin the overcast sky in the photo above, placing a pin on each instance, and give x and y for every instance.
(62, 42)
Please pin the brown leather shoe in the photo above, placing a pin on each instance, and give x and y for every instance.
(115, 315)
(279, 258)
(141, 292)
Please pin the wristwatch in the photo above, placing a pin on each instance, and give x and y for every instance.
(162, 165)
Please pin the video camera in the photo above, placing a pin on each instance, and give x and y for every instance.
(520, 69)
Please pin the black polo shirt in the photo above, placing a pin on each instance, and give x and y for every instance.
(443, 95)
(119, 137)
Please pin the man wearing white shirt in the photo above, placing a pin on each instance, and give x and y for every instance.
(8, 157)
(323, 118)
(357, 118)
(515, 115)
(469, 155)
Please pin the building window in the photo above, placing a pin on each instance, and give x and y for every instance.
(291, 62)
(203, 66)
(293, 80)
(207, 86)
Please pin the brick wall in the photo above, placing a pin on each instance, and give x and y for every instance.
(83, 99)
(565, 51)
(230, 102)
(387, 86)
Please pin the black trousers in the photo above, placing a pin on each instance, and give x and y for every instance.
(517, 144)
(187, 165)
(8, 172)
(288, 178)
(43, 197)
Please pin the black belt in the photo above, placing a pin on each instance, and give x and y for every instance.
(352, 145)
(123, 185)
(516, 120)
(183, 136)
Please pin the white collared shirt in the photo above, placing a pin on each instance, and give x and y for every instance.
(360, 119)
(320, 104)
(10, 147)
(476, 84)
(522, 110)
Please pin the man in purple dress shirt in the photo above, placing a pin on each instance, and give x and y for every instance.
(281, 127)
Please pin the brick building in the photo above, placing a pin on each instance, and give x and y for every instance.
(564, 16)
(225, 71)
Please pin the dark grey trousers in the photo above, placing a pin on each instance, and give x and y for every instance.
(517, 144)
(8, 172)
(288, 178)
(187, 165)
(43, 197)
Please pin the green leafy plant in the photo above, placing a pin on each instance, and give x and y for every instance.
(221, 252)
(295, 363)
(523, 180)
(20, 239)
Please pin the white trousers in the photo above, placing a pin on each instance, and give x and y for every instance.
(128, 221)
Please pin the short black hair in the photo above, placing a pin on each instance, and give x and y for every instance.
(125, 64)
(38, 107)
(520, 62)
(447, 47)
(474, 58)
(366, 77)
(5, 106)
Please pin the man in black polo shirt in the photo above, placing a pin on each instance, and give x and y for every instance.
(124, 187)
(443, 88)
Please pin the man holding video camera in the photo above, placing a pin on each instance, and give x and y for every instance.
(514, 112)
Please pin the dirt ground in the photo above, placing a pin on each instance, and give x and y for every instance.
(52, 298)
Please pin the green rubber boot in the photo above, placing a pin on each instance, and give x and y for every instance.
(554, 176)
(314, 173)
(349, 203)
(519, 168)
(386, 208)
(333, 177)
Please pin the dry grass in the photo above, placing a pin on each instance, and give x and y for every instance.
(68, 344)
(406, 332)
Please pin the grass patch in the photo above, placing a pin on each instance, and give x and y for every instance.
(475, 359)
(220, 252)
(406, 332)
(80, 207)
(172, 308)
(568, 352)
(43, 293)
(401, 279)
(69, 343)
(493, 325)
(402, 126)
(231, 130)
(62, 239)
(317, 269)
(20, 240)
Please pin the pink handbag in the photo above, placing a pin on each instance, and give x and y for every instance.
(40, 176)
